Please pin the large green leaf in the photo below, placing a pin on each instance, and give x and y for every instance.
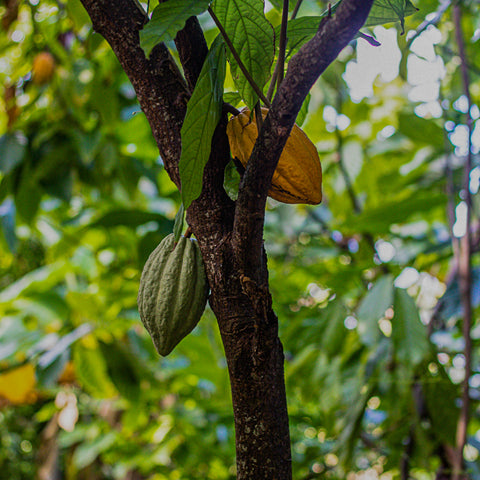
(203, 113)
(252, 36)
(167, 19)
(408, 332)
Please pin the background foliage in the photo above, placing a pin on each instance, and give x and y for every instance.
(373, 361)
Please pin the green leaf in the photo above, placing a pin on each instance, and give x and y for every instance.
(231, 180)
(88, 451)
(167, 19)
(352, 426)
(7, 224)
(440, 396)
(335, 332)
(302, 114)
(121, 370)
(252, 36)
(28, 197)
(299, 31)
(408, 333)
(130, 218)
(40, 280)
(383, 11)
(91, 372)
(178, 226)
(421, 130)
(203, 113)
(380, 218)
(387, 11)
(12, 150)
(373, 307)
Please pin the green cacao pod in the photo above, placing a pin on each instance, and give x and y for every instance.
(173, 292)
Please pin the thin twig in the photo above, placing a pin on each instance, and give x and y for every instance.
(237, 58)
(296, 9)
(464, 260)
(282, 43)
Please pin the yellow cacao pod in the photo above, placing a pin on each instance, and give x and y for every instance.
(43, 68)
(298, 176)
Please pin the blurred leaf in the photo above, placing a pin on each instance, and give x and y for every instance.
(352, 426)
(7, 224)
(408, 333)
(12, 151)
(372, 309)
(379, 219)
(122, 370)
(27, 197)
(88, 451)
(441, 399)
(91, 370)
(42, 279)
(203, 113)
(335, 331)
(130, 218)
(421, 130)
(48, 375)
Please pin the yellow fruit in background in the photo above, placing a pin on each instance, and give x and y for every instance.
(43, 68)
(298, 176)
(18, 385)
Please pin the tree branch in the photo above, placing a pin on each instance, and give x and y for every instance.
(305, 67)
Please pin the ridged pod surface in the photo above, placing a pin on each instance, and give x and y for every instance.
(298, 176)
(173, 292)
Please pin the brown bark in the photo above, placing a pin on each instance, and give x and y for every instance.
(230, 234)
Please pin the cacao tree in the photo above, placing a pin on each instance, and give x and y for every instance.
(230, 233)
(359, 358)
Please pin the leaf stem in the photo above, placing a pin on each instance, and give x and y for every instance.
(236, 56)
(278, 73)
